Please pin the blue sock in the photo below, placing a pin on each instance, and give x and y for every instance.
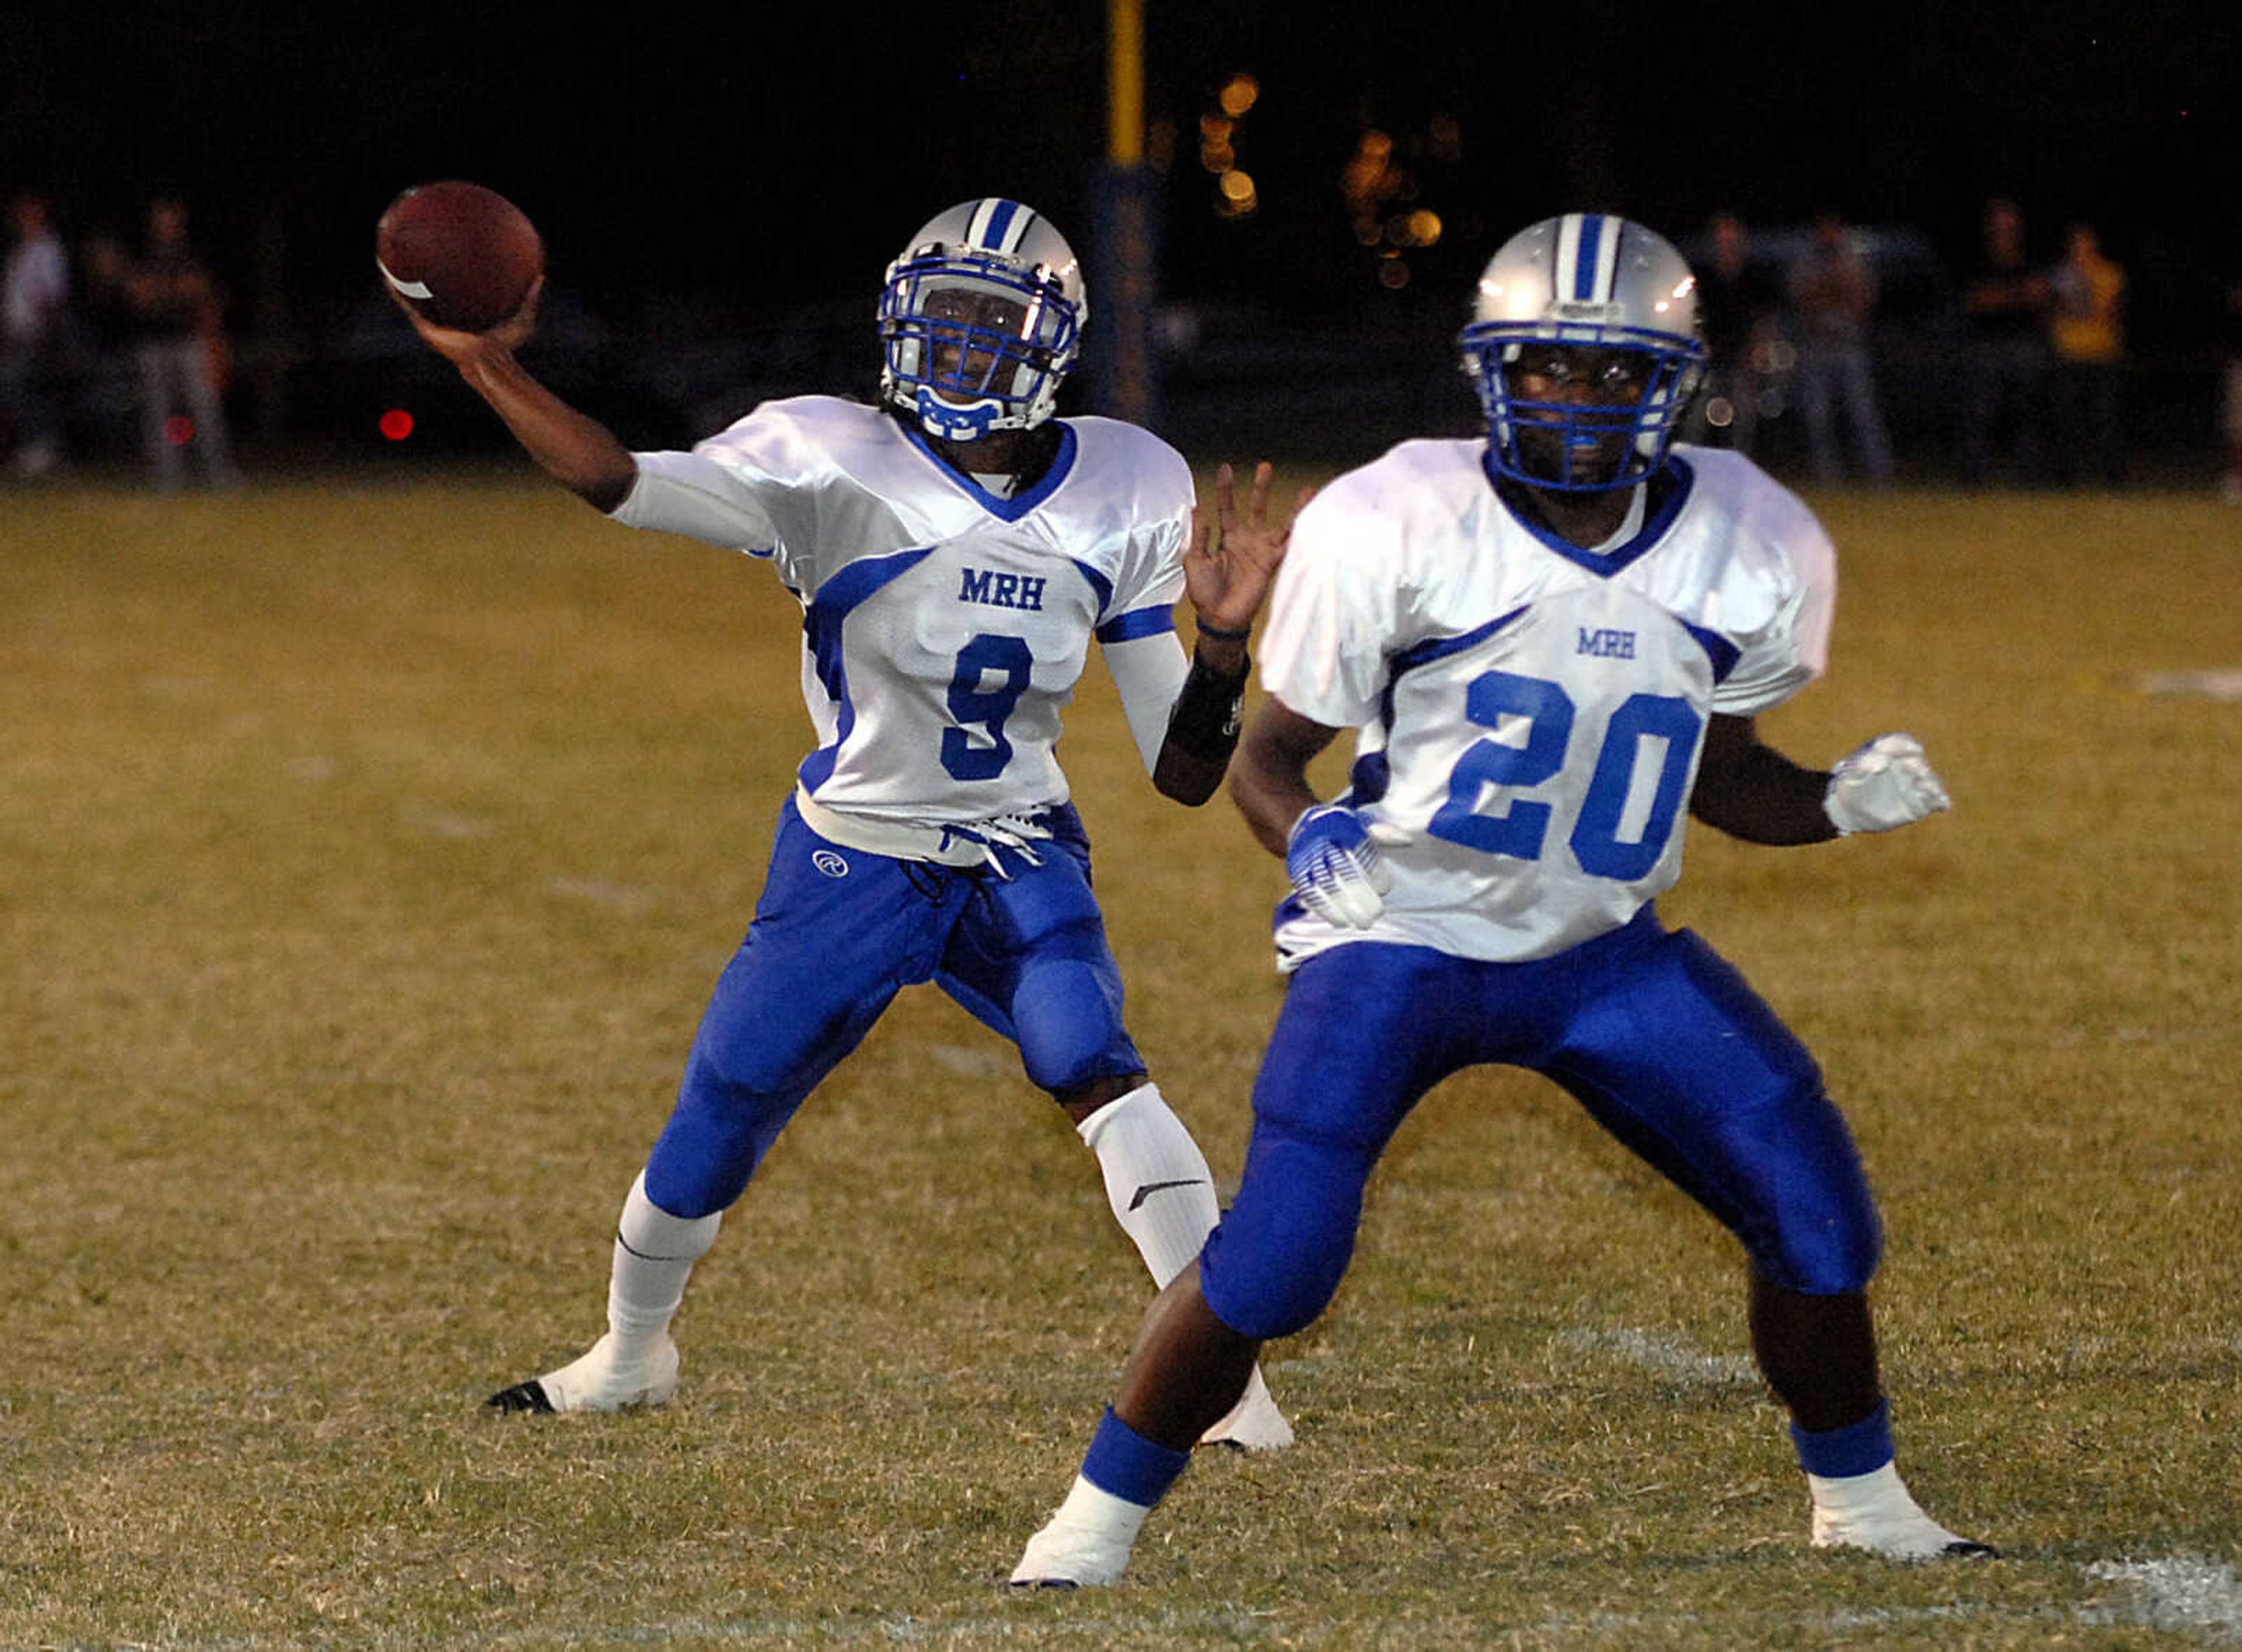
(1839, 1453)
(1125, 1464)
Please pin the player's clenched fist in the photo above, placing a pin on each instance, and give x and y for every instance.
(1335, 869)
(1886, 783)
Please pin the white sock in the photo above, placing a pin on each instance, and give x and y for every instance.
(1879, 1491)
(1155, 1179)
(655, 1254)
(1875, 1512)
(1090, 1509)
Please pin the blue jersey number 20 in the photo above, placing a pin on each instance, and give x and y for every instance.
(1007, 660)
(1548, 714)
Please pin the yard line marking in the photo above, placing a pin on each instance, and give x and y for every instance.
(1667, 1355)
(2185, 1592)
(601, 891)
(443, 823)
(2215, 684)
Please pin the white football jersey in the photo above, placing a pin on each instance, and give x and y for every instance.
(944, 627)
(1528, 714)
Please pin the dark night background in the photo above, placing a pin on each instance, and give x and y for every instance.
(724, 186)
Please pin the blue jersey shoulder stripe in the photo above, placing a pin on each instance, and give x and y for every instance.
(1441, 647)
(820, 624)
(860, 580)
(1723, 653)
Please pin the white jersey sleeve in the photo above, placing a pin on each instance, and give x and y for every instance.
(691, 494)
(1136, 629)
(1152, 525)
(780, 485)
(1336, 605)
(1779, 615)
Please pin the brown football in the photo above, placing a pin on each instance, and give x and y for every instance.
(464, 256)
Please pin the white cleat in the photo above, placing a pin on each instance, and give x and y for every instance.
(1254, 1423)
(1874, 1513)
(1085, 1545)
(597, 1382)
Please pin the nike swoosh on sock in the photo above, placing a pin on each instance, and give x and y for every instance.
(1150, 1188)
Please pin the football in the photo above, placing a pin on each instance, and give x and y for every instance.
(462, 255)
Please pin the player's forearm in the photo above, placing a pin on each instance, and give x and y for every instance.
(1756, 793)
(1203, 728)
(1269, 779)
(574, 448)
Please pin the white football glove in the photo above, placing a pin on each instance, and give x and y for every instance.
(1886, 783)
(1334, 866)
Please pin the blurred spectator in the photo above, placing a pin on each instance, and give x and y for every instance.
(34, 318)
(1736, 303)
(175, 324)
(1833, 293)
(2086, 327)
(2005, 351)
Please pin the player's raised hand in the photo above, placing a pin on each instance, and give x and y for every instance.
(462, 347)
(1886, 783)
(574, 448)
(1234, 555)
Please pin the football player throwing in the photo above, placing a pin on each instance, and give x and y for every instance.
(956, 550)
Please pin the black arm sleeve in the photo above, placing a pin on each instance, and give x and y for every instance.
(1202, 733)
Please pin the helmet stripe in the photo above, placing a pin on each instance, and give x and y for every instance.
(1588, 247)
(999, 225)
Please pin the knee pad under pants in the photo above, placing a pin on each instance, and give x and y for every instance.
(1275, 1260)
(1029, 957)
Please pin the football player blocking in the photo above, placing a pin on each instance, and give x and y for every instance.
(1547, 642)
(956, 551)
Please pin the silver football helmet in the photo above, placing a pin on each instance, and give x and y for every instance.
(1597, 289)
(981, 318)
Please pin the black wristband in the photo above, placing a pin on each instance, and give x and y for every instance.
(1204, 721)
(1220, 635)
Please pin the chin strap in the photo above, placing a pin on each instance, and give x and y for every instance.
(953, 423)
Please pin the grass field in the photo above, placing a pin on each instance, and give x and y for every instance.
(366, 853)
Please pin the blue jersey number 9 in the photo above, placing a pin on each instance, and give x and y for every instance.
(1007, 659)
(1547, 711)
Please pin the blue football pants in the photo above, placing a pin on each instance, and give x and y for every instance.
(1662, 1040)
(837, 933)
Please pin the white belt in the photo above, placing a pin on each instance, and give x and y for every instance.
(965, 843)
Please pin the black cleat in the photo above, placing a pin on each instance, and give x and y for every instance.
(522, 1397)
(1965, 1549)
